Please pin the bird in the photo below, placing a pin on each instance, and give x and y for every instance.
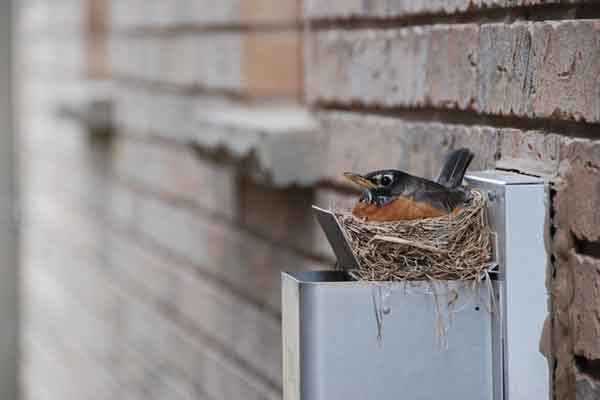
(394, 195)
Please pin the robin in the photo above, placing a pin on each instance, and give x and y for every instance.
(393, 195)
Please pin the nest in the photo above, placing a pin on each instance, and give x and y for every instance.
(453, 247)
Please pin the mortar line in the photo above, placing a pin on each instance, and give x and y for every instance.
(568, 128)
(425, 114)
(469, 118)
(191, 28)
(483, 15)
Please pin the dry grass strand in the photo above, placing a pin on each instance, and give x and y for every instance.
(452, 247)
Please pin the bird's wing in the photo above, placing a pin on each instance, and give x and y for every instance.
(440, 198)
(424, 190)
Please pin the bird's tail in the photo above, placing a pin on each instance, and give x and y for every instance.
(454, 168)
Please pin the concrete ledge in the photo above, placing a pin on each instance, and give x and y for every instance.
(95, 114)
(279, 143)
(275, 144)
(94, 110)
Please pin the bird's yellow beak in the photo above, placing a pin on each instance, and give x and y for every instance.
(359, 180)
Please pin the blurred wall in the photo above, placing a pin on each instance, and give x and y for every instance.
(8, 212)
(154, 231)
(151, 265)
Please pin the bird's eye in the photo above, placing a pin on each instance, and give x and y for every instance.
(386, 180)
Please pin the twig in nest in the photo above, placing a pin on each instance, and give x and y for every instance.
(409, 243)
(453, 247)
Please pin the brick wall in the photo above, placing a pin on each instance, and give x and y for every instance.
(152, 247)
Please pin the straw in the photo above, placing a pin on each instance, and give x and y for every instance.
(452, 247)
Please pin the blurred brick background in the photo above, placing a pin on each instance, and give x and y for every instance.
(154, 231)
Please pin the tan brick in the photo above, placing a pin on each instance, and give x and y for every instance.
(454, 86)
(273, 64)
(179, 60)
(562, 338)
(248, 264)
(565, 66)
(55, 19)
(543, 69)
(127, 14)
(270, 11)
(174, 350)
(96, 31)
(334, 8)
(356, 142)
(43, 95)
(585, 320)
(394, 67)
(419, 147)
(155, 113)
(579, 195)
(178, 172)
(562, 284)
(242, 328)
(85, 185)
(132, 266)
(52, 305)
(228, 319)
(41, 56)
(575, 286)
(188, 295)
(564, 379)
(121, 205)
(531, 152)
(138, 377)
(80, 331)
(587, 388)
(257, 64)
(505, 82)
(282, 215)
(50, 373)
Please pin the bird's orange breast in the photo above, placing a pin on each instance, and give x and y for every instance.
(401, 208)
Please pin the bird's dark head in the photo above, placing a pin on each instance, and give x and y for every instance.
(382, 179)
(378, 186)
